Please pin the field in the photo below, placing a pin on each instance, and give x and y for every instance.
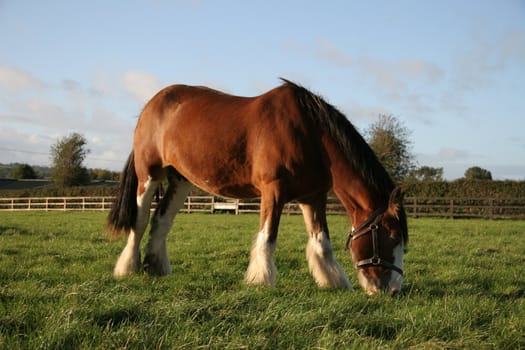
(464, 288)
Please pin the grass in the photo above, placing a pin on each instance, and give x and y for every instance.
(464, 288)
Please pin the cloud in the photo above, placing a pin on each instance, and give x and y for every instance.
(327, 51)
(22, 146)
(34, 114)
(141, 85)
(423, 71)
(475, 66)
(323, 50)
(399, 75)
(107, 123)
(14, 79)
(449, 155)
(357, 113)
(512, 47)
(452, 154)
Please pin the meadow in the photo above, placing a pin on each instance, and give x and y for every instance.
(464, 288)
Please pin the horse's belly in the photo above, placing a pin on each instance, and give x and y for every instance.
(225, 187)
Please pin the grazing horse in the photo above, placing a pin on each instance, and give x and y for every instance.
(286, 144)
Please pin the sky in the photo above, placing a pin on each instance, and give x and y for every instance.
(452, 72)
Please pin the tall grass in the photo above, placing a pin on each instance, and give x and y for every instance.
(464, 288)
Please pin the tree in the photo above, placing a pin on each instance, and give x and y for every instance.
(67, 155)
(103, 174)
(428, 173)
(24, 171)
(389, 139)
(477, 173)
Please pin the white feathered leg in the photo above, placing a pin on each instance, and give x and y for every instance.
(322, 263)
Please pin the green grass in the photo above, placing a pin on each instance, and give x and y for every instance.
(464, 288)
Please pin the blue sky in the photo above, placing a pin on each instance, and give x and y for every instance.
(453, 72)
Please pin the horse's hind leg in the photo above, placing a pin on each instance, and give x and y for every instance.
(323, 265)
(156, 261)
(129, 260)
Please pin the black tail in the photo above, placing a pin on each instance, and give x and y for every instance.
(123, 214)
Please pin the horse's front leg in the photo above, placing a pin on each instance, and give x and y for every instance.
(322, 263)
(262, 270)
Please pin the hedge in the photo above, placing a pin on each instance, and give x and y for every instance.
(465, 189)
(457, 189)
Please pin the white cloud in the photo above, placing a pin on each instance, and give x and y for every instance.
(23, 146)
(477, 65)
(141, 85)
(452, 154)
(327, 51)
(323, 50)
(384, 74)
(358, 113)
(14, 79)
(399, 75)
(428, 73)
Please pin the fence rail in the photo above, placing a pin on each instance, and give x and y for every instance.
(489, 208)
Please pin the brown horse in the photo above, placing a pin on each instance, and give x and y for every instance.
(287, 144)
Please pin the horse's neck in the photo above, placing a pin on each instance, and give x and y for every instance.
(359, 203)
(352, 190)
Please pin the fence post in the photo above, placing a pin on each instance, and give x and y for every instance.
(452, 208)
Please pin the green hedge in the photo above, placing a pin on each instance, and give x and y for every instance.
(80, 191)
(465, 189)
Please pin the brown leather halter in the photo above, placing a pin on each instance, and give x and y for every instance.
(371, 225)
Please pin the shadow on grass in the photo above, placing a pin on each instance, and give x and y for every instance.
(13, 231)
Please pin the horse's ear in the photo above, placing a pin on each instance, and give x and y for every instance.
(395, 200)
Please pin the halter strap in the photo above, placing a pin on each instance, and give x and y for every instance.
(373, 219)
(371, 226)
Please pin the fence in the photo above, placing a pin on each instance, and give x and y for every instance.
(489, 208)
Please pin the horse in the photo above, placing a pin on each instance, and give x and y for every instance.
(287, 144)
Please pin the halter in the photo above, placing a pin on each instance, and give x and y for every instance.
(371, 226)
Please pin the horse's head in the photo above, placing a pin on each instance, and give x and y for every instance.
(377, 246)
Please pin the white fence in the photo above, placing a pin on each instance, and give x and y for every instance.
(490, 208)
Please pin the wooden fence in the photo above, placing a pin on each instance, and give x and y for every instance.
(489, 208)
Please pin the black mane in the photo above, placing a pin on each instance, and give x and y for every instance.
(354, 146)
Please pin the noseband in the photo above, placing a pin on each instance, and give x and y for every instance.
(371, 225)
